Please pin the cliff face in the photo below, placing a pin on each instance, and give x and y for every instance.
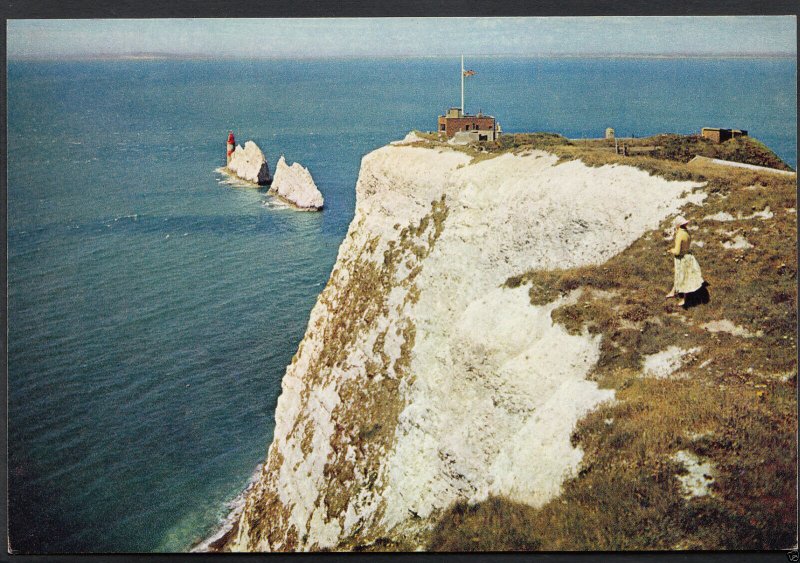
(421, 380)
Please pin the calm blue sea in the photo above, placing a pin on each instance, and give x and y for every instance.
(153, 309)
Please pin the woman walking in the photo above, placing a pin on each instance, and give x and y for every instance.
(688, 277)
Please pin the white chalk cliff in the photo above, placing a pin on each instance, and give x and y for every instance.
(421, 380)
(295, 184)
(249, 164)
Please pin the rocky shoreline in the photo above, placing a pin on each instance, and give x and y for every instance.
(230, 525)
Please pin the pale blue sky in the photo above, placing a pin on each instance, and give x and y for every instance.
(730, 35)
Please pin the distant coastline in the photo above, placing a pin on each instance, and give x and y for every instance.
(157, 56)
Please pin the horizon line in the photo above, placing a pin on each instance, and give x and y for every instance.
(153, 56)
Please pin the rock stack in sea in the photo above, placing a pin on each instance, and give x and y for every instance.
(249, 164)
(295, 184)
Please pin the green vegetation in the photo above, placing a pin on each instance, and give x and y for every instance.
(509, 142)
(646, 153)
(743, 149)
(501, 523)
(733, 404)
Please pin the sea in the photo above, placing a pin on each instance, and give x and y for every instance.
(153, 304)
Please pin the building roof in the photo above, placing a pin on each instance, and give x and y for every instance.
(719, 129)
(468, 116)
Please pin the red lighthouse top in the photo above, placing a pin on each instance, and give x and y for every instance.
(230, 138)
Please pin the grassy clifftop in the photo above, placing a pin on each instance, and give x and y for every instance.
(726, 398)
(642, 152)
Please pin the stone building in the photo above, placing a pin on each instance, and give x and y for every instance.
(481, 127)
(721, 135)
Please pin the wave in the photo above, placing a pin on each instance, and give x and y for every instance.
(226, 525)
(275, 203)
(229, 179)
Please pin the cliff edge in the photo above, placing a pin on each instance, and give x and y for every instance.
(424, 379)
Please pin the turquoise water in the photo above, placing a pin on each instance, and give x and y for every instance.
(153, 309)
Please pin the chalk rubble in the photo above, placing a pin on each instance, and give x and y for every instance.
(295, 184)
(249, 164)
(665, 363)
(699, 476)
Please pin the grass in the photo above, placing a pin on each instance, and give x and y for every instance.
(734, 404)
(662, 154)
(743, 149)
(509, 142)
(626, 496)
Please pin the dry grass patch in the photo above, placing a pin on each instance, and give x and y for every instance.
(626, 495)
(510, 142)
(664, 155)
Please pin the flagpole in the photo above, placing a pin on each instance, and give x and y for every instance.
(462, 86)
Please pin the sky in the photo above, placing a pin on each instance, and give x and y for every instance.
(342, 37)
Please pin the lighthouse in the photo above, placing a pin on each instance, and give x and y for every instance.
(231, 144)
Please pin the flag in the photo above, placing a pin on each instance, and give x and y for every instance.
(469, 73)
